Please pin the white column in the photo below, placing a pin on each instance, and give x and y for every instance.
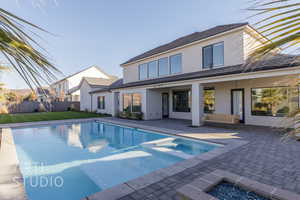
(197, 104)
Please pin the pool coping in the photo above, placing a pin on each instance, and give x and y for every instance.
(10, 173)
(130, 186)
(197, 190)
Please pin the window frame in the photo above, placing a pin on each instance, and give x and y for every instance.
(189, 95)
(131, 102)
(212, 51)
(170, 66)
(101, 102)
(212, 111)
(147, 71)
(297, 88)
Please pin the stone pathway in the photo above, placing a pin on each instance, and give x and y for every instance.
(266, 158)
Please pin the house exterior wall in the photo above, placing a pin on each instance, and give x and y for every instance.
(85, 97)
(108, 103)
(223, 98)
(192, 55)
(73, 81)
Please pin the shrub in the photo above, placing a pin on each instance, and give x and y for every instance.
(3, 110)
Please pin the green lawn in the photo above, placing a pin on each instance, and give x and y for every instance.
(44, 116)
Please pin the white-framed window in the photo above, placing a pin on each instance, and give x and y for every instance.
(153, 69)
(163, 67)
(143, 71)
(213, 55)
(176, 64)
(101, 102)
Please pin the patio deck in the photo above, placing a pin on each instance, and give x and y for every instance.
(266, 158)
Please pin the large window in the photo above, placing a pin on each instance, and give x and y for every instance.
(175, 64)
(101, 102)
(213, 55)
(275, 101)
(182, 101)
(163, 67)
(143, 71)
(209, 100)
(152, 69)
(132, 102)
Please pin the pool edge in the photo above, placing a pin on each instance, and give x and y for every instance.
(10, 173)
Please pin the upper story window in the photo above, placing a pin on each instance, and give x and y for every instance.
(213, 55)
(176, 64)
(152, 69)
(163, 67)
(143, 71)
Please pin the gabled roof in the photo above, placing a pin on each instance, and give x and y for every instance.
(116, 84)
(83, 71)
(186, 40)
(94, 83)
(277, 62)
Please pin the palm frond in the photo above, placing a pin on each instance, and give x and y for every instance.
(280, 24)
(22, 51)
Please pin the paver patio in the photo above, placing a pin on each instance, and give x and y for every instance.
(266, 158)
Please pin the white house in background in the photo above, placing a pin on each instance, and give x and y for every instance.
(67, 88)
(202, 76)
(88, 85)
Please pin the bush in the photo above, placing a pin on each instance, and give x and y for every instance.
(3, 110)
(129, 115)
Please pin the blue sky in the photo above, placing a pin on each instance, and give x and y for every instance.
(108, 32)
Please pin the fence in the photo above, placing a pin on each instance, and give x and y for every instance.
(34, 106)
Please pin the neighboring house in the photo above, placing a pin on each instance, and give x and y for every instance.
(89, 84)
(202, 73)
(42, 94)
(67, 88)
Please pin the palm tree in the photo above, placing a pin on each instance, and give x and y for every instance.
(21, 51)
(280, 23)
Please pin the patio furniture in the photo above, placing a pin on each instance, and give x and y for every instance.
(222, 118)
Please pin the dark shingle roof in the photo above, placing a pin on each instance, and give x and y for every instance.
(187, 40)
(277, 62)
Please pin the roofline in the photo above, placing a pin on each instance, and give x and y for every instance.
(95, 66)
(183, 46)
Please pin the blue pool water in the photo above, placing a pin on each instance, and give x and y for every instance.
(72, 161)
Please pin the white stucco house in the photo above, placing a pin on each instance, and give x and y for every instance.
(68, 87)
(204, 74)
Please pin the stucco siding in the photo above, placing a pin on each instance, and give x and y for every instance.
(192, 55)
(108, 109)
(85, 98)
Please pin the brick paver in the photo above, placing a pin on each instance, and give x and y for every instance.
(266, 158)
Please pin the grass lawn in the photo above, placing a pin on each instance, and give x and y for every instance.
(44, 116)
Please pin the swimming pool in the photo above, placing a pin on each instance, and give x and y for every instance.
(71, 161)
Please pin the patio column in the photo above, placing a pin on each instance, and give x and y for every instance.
(197, 104)
(115, 104)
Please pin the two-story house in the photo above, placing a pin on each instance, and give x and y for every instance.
(204, 73)
(68, 87)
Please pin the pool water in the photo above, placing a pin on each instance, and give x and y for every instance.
(72, 161)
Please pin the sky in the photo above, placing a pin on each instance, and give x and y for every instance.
(107, 33)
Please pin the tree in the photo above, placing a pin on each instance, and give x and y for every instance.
(11, 96)
(21, 50)
(281, 25)
(30, 97)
